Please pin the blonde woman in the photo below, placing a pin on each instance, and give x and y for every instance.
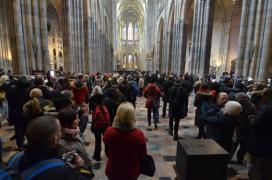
(37, 105)
(126, 145)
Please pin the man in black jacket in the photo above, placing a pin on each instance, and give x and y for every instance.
(187, 84)
(43, 134)
(167, 84)
(177, 102)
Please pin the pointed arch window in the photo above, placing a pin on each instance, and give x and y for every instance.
(124, 32)
(136, 32)
(130, 32)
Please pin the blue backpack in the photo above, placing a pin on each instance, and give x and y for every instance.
(12, 170)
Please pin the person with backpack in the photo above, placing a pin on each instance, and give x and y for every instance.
(100, 122)
(134, 89)
(203, 102)
(42, 159)
(177, 110)
(152, 93)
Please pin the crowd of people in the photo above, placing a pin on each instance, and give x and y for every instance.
(52, 113)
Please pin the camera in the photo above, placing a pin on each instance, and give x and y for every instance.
(69, 156)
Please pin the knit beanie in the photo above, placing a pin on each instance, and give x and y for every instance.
(232, 108)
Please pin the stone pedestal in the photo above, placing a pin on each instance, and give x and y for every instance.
(201, 159)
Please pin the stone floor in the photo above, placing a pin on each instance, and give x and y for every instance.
(159, 144)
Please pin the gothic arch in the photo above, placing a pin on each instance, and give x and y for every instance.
(55, 40)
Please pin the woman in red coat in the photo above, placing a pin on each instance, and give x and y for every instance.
(126, 145)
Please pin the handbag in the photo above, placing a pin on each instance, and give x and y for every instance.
(147, 166)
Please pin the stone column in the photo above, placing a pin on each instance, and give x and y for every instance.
(223, 52)
(67, 39)
(19, 37)
(37, 32)
(30, 36)
(8, 52)
(2, 36)
(202, 33)
(249, 38)
(258, 29)
(242, 38)
(44, 35)
(194, 41)
(180, 49)
(83, 67)
(266, 54)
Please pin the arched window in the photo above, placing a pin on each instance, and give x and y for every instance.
(129, 58)
(124, 32)
(130, 32)
(136, 32)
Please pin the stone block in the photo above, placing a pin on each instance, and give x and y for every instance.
(201, 159)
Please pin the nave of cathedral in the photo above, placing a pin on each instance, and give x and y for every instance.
(169, 36)
(72, 50)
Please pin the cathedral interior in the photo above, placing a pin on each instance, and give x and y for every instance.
(177, 36)
(197, 37)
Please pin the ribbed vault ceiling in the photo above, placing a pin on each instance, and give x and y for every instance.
(131, 9)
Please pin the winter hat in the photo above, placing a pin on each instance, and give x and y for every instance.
(232, 108)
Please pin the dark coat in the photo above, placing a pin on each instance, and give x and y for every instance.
(248, 111)
(177, 97)
(200, 99)
(32, 157)
(188, 86)
(111, 102)
(95, 100)
(166, 86)
(259, 141)
(126, 90)
(221, 128)
(256, 98)
(17, 96)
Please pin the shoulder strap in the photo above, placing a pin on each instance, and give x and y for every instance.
(14, 161)
(40, 167)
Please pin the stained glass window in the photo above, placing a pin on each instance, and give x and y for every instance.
(130, 32)
(124, 32)
(136, 32)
